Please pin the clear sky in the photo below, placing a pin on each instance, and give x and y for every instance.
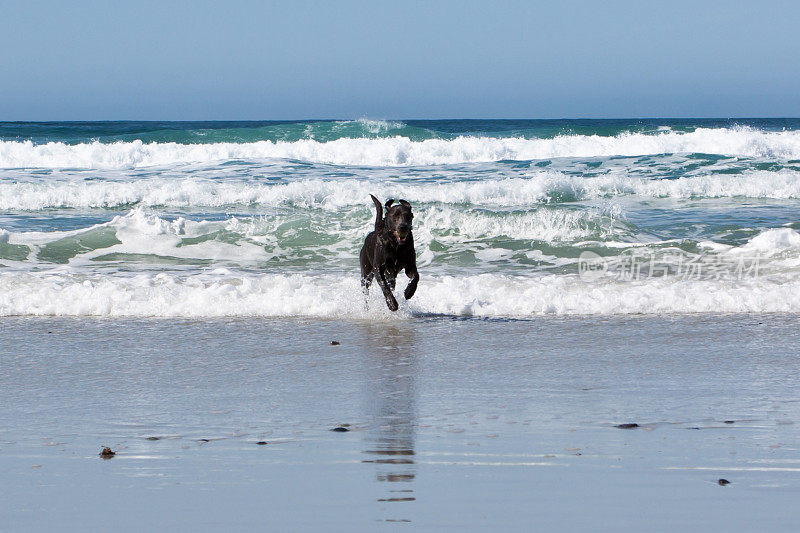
(171, 60)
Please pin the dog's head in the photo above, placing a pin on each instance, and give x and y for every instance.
(398, 220)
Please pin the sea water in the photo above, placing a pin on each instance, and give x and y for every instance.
(513, 218)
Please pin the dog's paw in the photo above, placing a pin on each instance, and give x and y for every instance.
(393, 306)
(409, 292)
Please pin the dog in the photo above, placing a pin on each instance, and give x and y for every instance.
(389, 249)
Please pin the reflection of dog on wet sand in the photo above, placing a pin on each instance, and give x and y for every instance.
(390, 371)
(388, 249)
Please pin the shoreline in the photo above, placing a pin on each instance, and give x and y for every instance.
(452, 423)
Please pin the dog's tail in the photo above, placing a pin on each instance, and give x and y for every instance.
(378, 212)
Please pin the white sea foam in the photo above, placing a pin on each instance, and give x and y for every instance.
(141, 233)
(536, 188)
(375, 126)
(331, 194)
(454, 225)
(771, 241)
(784, 242)
(228, 293)
(402, 151)
(782, 184)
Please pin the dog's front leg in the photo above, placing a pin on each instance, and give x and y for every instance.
(411, 288)
(387, 291)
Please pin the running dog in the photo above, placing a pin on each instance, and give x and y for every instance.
(389, 249)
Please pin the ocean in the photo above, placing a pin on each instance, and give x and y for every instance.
(165, 219)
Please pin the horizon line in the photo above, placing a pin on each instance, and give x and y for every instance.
(339, 119)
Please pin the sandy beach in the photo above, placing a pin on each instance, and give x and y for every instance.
(452, 424)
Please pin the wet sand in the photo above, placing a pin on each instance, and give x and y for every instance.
(452, 424)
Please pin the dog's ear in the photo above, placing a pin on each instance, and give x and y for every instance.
(388, 203)
(403, 202)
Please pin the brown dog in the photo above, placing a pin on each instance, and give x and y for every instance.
(389, 249)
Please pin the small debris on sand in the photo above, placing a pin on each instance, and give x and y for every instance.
(335, 343)
(153, 438)
(723, 482)
(627, 426)
(730, 421)
(262, 442)
(203, 440)
(340, 429)
(107, 453)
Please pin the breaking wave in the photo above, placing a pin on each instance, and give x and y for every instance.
(537, 188)
(223, 293)
(402, 151)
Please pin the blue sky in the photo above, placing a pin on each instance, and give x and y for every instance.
(292, 60)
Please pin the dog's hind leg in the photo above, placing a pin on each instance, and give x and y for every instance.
(366, 281)
(367, 272)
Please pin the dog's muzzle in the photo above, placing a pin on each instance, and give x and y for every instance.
(401, 235)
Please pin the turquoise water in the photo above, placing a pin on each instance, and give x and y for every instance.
(514, 218)
(269, 130)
